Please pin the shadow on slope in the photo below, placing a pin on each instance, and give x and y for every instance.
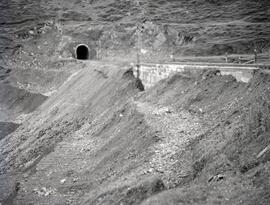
(18, 101)
(6, 128)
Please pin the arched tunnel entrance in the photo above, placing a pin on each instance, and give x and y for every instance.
(82, 52)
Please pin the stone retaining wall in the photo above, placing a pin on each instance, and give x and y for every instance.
(150, 74)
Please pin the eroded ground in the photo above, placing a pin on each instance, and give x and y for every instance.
(101, 140)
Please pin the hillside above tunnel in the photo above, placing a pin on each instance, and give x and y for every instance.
(179, 28)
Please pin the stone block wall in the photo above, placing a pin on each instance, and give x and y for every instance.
(150, 74)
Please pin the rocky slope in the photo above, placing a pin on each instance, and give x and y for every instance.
(196, 138)
(74, 132)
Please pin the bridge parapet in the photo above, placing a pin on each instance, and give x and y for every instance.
(150, 74)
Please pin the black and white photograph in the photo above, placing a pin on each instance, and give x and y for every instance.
(134, 102)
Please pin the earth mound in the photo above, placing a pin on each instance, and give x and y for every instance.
(197, 137)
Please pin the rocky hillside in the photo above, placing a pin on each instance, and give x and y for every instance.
(197, 27)
(86, 132)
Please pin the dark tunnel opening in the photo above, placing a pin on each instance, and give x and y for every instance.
(82, 52)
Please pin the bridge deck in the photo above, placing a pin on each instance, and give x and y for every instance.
(151, 73)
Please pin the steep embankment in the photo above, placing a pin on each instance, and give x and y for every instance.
(97, 91)
(38, 38)
(226, 160)
(194, 138)
(24, 89)
(15, 102)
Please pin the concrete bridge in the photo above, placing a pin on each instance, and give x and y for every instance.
(151, 73)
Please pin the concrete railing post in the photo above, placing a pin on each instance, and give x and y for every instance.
(255, 56)
(138, 71)
(99, 50)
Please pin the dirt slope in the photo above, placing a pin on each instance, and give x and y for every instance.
(99, 141)
(89, 136)
(95, 90)
(226, 163)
